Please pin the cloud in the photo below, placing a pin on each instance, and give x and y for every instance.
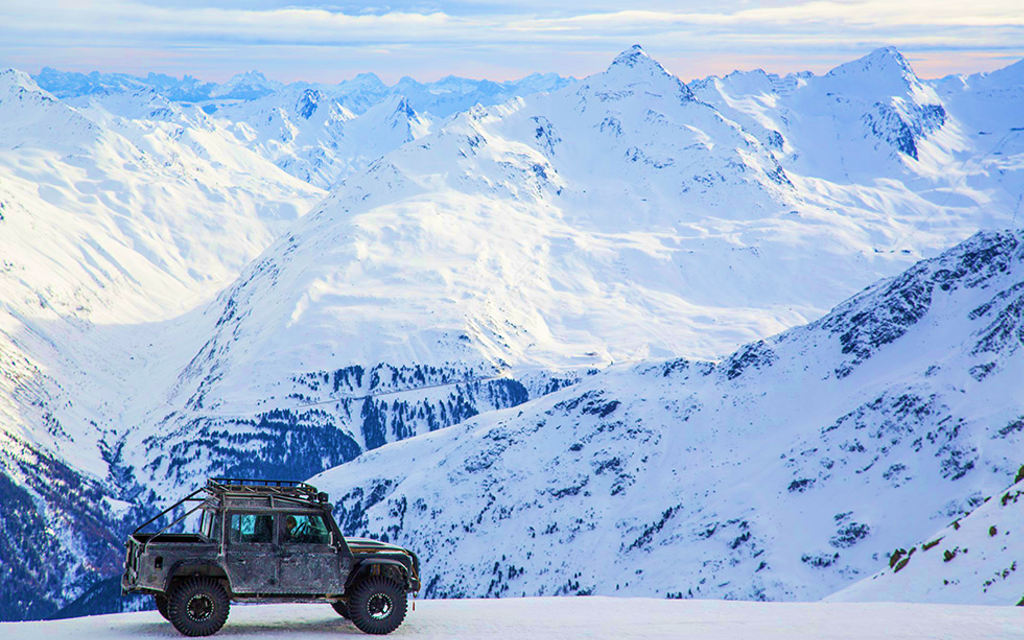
(447, 30)
(296, 25)
(136, 22)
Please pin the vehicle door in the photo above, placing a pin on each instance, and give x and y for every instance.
(250, 552)
(309, 560)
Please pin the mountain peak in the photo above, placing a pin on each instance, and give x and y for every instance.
(365, 79)
(252, 79)
(878, 76)
(633, 57)
(249, 76)
(394, 107)
(404, 108)
(884, 61)
(14, 78)
(308, 102)
(407, 81)
(888, 54)
(634, 63)
(247, 86)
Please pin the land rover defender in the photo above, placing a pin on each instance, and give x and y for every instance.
(265, 541)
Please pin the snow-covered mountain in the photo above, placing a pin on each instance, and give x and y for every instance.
(250, 85)
(121, 211)
(518, 231)
(453, 94)
(439, 99)
(872, 108)
(68, 84)
(917, 144)
(976, 558)
(785, 471)
(986, 100)
(317, 133)
(309, 134)
(110, 229)
(609, 221)
(513, 250)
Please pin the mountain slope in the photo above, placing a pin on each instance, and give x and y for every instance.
(784, 472)
(110, 229)
(612, 220)
(867, 118)
(508, 230)
(149, 182)
(309, 134)
(976, 559)
(875, 137)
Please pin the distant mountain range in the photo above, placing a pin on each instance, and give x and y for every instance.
(559, 296)
(440, 99)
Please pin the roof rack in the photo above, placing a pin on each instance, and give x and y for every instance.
(252, 486)
(288, 490)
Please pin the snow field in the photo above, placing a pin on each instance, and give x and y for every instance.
(587, 617)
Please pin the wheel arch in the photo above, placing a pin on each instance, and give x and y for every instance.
(196, 567)
(380, 566)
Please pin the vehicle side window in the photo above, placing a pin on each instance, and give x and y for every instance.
(210, 524)
(250, 528)
(215, 526)
(304, 529)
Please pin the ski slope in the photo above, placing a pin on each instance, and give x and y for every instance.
(562, 618)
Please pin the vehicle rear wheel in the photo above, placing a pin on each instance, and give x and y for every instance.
(198, 607)
(342, 609)
(161, 606)
(377, 605)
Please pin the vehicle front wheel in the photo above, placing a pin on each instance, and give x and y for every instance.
(341, 608)
(377, 605)
(161, 606)
(198, 607)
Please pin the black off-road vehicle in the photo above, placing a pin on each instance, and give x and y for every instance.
(265, 541)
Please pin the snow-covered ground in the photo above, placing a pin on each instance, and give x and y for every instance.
(581, 617)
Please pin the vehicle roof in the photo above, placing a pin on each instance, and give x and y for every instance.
(266, 494)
